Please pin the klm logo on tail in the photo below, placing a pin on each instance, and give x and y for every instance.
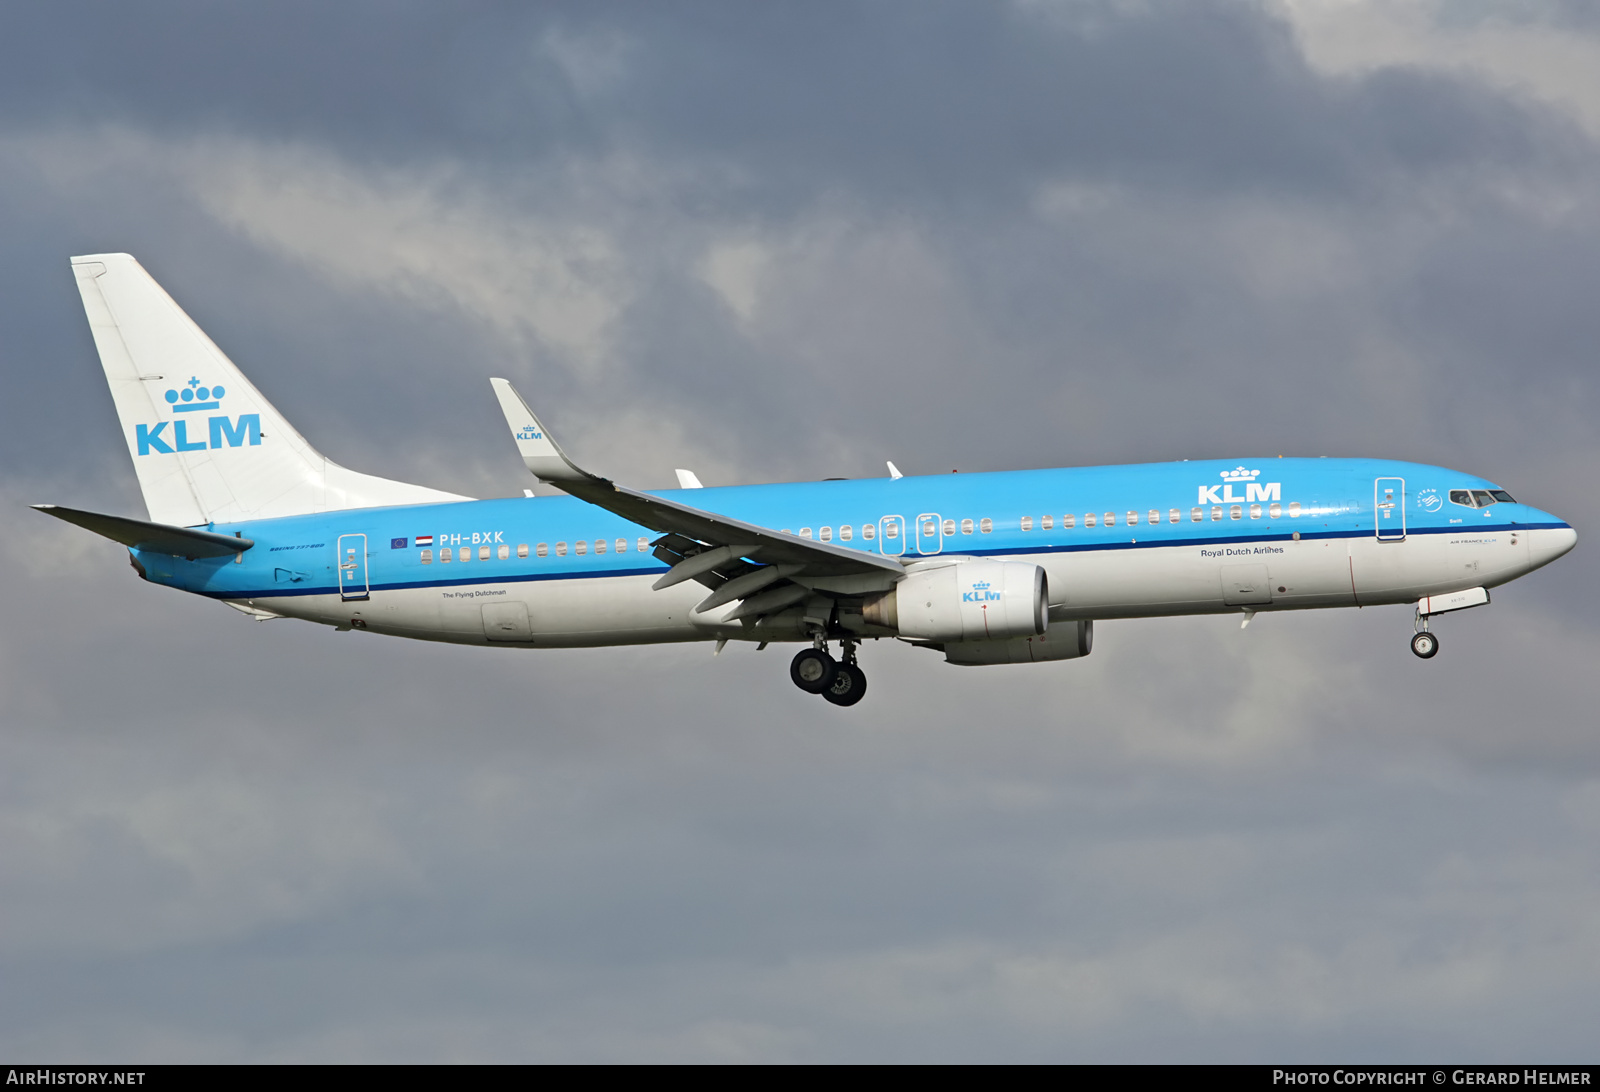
(221, 431)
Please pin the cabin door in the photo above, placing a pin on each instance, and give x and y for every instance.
(353, 567)
(1389, 508)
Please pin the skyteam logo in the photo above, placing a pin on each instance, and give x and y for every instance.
(980, 593)
(1253, 490)
(221, 430)
(1429, 500)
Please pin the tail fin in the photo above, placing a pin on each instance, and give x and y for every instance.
(207, 447)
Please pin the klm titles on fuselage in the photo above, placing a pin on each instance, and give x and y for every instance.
(221, 431)
(1253, 491)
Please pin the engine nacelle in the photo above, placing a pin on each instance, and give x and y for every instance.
(966, 601)
(1066, 641)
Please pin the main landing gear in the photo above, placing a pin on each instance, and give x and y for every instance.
(816, 672)
(1424, 643)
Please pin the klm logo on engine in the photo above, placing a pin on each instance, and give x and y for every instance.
(1253, 491)
(220, 431)
(980, 593)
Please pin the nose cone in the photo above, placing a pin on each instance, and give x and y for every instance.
(1545, 544)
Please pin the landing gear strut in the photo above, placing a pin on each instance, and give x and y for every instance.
(816, 672)
(1424, 643)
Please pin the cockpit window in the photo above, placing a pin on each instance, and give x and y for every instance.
(1480, 498)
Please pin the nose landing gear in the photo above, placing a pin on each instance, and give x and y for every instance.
(816, 672)
(1423, 643)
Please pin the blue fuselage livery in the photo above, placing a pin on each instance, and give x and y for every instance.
(991, 568)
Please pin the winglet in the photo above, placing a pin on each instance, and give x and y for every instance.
(542, 455)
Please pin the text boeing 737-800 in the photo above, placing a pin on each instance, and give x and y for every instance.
(1001, 568)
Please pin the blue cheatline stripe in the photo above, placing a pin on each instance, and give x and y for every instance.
(277, 592)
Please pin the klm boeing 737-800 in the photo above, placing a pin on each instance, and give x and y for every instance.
(996, 568)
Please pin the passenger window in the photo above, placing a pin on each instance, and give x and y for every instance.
(1294, 509)
(483, 553)
(1255, 511)
(505, 552)
(644, 544)
(826, 534)
(622, 545)
(465, 554)
(427, 557)
(1235, 512)
(444, 555)
(1027, 523)
(949, 526)
(561, 549)
(581, 547)
(869, 531)
(1216, 512)
(1047, 522)
(1088, 519)
(1153, 517)
(1196, 515)
(1133, 519)
(599, 546)
(1173, 516)
(542, 550)
(522, 549)
(892, 530)
(986, 525)
(966, 527)
(1275, 510)
(929, 528)
(805, 532)
(1111, 519)
(1069, 521)
(844, 532)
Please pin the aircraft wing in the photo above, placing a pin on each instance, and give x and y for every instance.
(700, 545)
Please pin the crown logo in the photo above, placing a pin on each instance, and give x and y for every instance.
(1240, 474)
(195, 397)
(981, 585)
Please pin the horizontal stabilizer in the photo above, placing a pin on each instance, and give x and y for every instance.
(155, 537)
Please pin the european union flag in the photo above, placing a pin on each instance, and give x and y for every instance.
(397, 544)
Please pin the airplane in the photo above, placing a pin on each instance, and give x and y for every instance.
(987, 568)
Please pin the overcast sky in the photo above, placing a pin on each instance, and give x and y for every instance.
(789, 241)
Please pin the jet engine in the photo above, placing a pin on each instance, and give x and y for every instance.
(965, 601)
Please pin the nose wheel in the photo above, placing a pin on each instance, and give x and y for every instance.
(1425, 645)
(816, 672)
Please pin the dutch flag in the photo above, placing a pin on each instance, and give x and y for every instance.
(424, 540)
